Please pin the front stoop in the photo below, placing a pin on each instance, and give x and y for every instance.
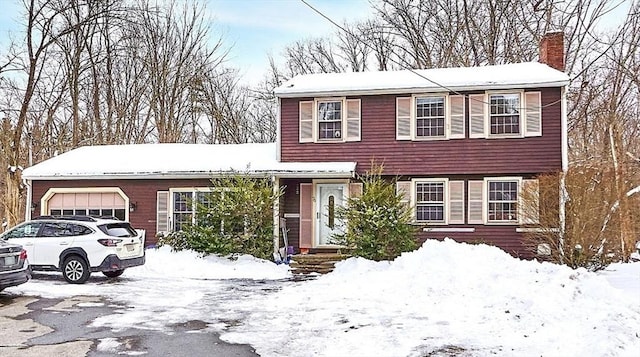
(315, 263)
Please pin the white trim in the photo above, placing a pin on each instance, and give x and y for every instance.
(564, 130)
(521, 114)
(414, 116)
(191, 190)
(449, 230)
(44, 200)
(363, 92)
(315, 239)
(278, 130)
(200, 175)
(537, 230)
(292, 215)
(343, 119)
(27, 213)
(445, 198)
(276, 217)
(485, 203)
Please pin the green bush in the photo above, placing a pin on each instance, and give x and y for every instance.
(378, 222)
(235, 218)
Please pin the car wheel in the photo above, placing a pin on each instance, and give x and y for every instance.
(75, 270)
(113, 274)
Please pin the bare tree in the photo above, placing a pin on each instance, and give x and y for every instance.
(176, 56)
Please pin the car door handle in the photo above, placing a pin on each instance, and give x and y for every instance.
(28, 244)
(64, 243)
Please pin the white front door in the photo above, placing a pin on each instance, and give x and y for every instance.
(329, 196)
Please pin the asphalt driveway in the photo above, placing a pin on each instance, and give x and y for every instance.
(32, 326)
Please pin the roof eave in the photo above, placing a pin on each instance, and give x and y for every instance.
(405, 90)
(194, 175)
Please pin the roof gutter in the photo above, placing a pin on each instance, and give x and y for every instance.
(203, 175)
(404, 90)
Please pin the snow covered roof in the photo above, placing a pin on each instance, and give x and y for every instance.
(177, 161)
(506, 76)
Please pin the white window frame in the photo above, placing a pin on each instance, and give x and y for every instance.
(406, 117)
(193, 191)
(521, 114)
(350, 121)
(414, 117)
(317, 121)
(414, 199)
(485, 205)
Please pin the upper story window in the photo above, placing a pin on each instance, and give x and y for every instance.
(430, 117)
(329, 120)
(504, 117)
(505, 114)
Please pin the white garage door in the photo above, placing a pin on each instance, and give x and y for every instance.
(96, 204)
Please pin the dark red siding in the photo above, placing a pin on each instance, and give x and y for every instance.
(456, 156)
(141, 192)
(502, 236)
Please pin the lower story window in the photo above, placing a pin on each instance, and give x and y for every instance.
(119, 213)
(430, 202)
(503, 201)
(185, 206)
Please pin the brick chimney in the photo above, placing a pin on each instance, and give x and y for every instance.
(552, 50)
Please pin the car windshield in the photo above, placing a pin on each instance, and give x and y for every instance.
(122, 229)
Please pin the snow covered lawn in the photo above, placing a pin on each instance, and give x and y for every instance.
(443, 299)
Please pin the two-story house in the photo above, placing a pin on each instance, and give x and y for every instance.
(463, 142)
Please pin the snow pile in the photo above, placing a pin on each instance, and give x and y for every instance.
(446, 298)
(163, 262)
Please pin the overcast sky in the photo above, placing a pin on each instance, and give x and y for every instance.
(253, 29)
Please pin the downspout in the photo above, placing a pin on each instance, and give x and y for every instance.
(278, 136)
(27, 206)
(564, 195)
(275, 181)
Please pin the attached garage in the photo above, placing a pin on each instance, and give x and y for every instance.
(102, 201)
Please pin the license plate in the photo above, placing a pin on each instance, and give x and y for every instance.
(10, 260)
(130, 247)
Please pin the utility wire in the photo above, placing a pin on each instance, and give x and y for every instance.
(402, 65)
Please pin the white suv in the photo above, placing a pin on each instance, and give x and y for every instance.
(79, 245)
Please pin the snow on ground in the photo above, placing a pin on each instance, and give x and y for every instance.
(444, 299)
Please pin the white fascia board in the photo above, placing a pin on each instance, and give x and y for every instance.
(381, 91)
(177, 176)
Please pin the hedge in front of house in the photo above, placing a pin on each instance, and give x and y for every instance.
(377, 222)
(236, 217)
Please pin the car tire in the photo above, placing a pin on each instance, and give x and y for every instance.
(75, 270)
(113, 273)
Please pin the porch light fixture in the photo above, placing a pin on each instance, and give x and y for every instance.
(132, 206)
